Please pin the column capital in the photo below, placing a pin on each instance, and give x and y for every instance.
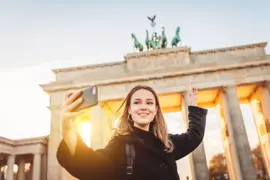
(11, 156)
(226, 88)
(266, 82)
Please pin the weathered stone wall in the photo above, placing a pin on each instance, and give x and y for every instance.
(162, 60)
(96, 72)
(209, 78)
(225, 55)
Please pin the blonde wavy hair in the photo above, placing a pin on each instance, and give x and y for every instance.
(158, 125)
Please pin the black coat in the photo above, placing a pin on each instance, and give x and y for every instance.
(151, 161)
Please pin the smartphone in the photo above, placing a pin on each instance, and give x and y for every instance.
(90, 98)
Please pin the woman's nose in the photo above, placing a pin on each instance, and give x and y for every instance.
(143, 107)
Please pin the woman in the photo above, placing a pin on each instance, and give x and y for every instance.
(141, 126)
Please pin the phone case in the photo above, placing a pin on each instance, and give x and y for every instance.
(90, 98)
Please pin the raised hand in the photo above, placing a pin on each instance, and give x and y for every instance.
(71, 101)
(67, 116)
(191, 95)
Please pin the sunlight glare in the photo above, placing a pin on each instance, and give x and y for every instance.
(86, 133)
(83, 125)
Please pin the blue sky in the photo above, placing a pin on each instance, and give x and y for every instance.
(76, 32)
(36, 36)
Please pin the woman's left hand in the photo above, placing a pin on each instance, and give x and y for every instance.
(191, 95)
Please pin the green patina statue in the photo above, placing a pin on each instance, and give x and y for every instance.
(156, 42)
(136, 44)
(163, 38)
(176, 39)
(153, 43)
(148, 42)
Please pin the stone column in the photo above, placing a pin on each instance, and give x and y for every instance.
(235, 141)
(198, 162)
(10, 163)
(54, 170)
(36, 167)
(21, 169)
(44, 167)
(229, 149)
(260, 103)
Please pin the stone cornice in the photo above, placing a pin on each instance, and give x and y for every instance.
(160, 52)
(6, 141)
(259, 61)
(232, 48)
(37, 140)
(27, 141)
(93, 66)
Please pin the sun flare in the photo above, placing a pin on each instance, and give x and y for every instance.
(86, 133)
(83, 126)
(84, 129)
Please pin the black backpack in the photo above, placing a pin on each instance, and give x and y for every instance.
(130, 155)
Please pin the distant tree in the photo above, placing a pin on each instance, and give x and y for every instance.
(259, 164)
(218, 168)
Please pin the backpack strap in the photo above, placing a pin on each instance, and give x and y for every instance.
(130, 155)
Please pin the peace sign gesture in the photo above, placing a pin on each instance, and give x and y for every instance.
(191, 95)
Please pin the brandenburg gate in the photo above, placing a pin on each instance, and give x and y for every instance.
(225, 78)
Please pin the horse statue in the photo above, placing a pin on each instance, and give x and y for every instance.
(136, 44)
(148, 42)
(176, 38)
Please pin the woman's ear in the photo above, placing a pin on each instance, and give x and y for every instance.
(129, 111)
(156, 109)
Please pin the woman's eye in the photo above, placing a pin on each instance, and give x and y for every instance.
(136, 102)
(150, 103)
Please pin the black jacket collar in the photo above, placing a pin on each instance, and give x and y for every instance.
(146, 135)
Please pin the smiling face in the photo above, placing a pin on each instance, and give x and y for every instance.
(143, 108)
(139, 109)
